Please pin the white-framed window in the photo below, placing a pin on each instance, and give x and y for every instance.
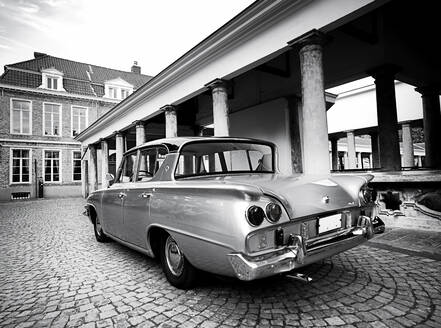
(52, 82)
(20, 165)
(52, 79)
(51, 119)
(124, 93)
(79, 119)
(76, 165)
(52, 165)
(21, 116)
(117, 89)
(113, 93)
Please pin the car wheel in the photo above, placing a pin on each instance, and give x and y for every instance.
(178, 271)
(99, 233)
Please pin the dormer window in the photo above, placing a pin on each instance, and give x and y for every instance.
(52, 82)
(52, 79)
(117, 89)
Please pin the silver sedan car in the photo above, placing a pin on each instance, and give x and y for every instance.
(219, 204)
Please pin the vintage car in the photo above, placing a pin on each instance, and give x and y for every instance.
(219, 204)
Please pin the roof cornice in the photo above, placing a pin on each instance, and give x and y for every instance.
(57, 93)
(244, 26)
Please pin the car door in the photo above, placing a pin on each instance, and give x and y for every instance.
(115, 196)
(138, 196)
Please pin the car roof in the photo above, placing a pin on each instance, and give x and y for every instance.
(174, 144)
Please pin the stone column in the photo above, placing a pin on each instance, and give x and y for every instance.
(351, 150)
(84, 175)
(388, 140)
(408, 153)
(140, 132)
(375, 162)
(315, 125)
(119, 141)
(104, 163)
(93, 175)
(334, 153)
(171, 121)
(220, 107)
(432, 126)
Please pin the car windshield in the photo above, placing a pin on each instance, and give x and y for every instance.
(202, 158)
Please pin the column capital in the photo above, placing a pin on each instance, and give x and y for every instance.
(313, 37)
(428, 90)
(168, 108)
(139, 123)
(387, 70)
(217, 83)
(118, 133)
(91, 146)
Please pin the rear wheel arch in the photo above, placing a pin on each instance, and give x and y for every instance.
(155, 236)
(92, 213)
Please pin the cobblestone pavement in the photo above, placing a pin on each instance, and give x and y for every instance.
(54, 274)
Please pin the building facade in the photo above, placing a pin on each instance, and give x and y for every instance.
(44, 103)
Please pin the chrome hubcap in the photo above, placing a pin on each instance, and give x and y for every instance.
(174, 257)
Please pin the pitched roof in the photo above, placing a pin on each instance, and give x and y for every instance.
(79, 78)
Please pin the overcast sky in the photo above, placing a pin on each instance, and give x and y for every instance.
(110, 33)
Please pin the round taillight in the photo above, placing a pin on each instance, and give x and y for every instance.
(255, 215)
(367, 195)
(273, 212)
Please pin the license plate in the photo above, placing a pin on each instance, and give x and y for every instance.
(329, 223)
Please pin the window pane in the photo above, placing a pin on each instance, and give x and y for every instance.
(55, 154)
(47, 177)
(55, 83)
(15, 178)
(82, 122)
(49, 83)
(16, 121)
(16, 153)
(25, 178)
(77, 155)
(16, 170)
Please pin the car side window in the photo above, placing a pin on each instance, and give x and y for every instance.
(126, 174)
(150, 160)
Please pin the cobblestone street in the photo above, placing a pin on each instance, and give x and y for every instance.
(54, 274)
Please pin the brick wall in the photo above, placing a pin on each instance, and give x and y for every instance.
(38, 142)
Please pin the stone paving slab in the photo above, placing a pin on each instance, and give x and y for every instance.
(54, 274)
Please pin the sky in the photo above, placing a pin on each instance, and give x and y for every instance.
(110, 33)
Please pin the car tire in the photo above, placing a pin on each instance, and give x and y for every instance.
(178, 271)
(98, 229)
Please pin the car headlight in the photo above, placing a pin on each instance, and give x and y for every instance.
(255, 215)
(273, 212)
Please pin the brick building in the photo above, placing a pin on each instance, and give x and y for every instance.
(44, 103)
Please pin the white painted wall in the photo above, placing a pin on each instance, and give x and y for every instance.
(357, 109)
(268, 121)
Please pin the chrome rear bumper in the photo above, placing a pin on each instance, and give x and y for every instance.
(300, 253)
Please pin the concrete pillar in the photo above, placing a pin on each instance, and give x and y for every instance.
(375, 162)
(104, 163)
(334, 153)
(171, 121)
(315, 125)
(351, 150)
(388, 140)
(119, 141)
(93, 175)
(84, 175)
(140, 133)
(408, 152)
(432, 126)
(220, 107)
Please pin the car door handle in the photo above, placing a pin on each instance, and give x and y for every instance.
(121, 195)
(145, 195)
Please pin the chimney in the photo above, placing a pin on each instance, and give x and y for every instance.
(39, 54)
(135, 68)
